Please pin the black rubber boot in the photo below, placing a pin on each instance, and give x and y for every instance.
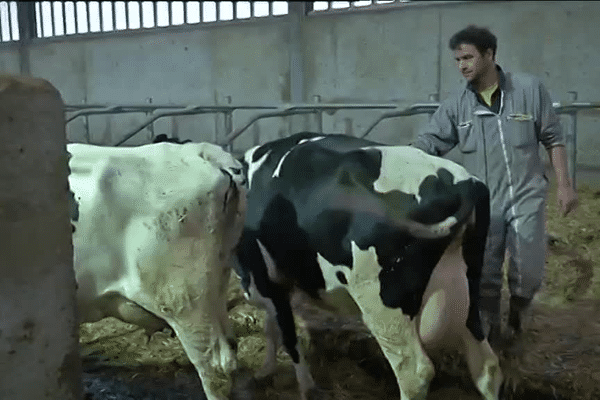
(518, 305)
(490, 319)
(517, 308)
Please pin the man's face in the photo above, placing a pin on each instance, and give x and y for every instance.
(472, 64)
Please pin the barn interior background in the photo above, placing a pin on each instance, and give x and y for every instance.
(128, 71)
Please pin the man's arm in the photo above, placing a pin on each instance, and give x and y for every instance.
(439, 136)
(565, 192)
(552, 138)
(558, 157)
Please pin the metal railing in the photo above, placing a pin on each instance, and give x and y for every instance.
(294, 109)
(155, 112)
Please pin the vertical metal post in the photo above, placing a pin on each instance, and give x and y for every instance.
(296, 61)
(87, 17)
(185, 10)
(26, 18)
(151, 126)
(228, 123)
(348, 126)
(127, 21)
(8, 11)
(155, 14)
(64, 13)
(113, 7)
(318, 115)
(572, 141)
(101, 16)
(170, 11)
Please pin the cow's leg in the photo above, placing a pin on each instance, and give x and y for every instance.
(285, 320)
(195, 332)
(395, 332)
(191, 306)
(273, 338)
(226, 335)
(483, 366)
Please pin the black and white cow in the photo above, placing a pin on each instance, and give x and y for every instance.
(154, 229)
(401, 232)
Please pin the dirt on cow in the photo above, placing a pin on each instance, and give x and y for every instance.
(561, 358)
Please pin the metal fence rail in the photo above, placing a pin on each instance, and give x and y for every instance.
(156, 111)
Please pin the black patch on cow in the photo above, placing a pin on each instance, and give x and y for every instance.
(279, 147)
(164, 138)
(73, 206)
(341, 277)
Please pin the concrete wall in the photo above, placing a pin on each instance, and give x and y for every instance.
(395, 55)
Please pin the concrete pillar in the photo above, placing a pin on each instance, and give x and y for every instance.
(38, 330)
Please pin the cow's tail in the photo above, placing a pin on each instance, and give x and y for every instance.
(474, 242)
(469, 199)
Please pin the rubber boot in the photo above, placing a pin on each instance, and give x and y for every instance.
(490, 319)
(518, 307)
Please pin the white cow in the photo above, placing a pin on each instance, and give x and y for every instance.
(155, 228)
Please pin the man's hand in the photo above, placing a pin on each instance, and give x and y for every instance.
(566, 198)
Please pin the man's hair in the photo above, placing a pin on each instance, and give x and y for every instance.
(479, 37)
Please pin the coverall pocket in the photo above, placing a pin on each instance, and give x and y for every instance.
(520, 130)
(467, 142)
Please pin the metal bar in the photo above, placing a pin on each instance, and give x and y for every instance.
(140, 14)
(170, 11)
(229, 138)
(572, 142)
(200, 11)
(185, 10)
(52, 19)
(64, 15)
(412, 110)
(101, 16)
(151, 107)
(87, 13)
(234, 16)
(155, 13)
(127, 22)
(108, 110)
(113, 8)
(318, 115)
(228, 122)
(270, 8)
(187, 111)
(252, 9)
(8, 13)
(218, 11)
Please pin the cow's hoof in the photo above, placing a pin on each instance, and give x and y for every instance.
(316, 393)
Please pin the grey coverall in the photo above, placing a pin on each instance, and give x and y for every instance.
(502, 149)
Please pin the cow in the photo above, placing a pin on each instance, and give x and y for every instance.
(398, 232)
(154, 230)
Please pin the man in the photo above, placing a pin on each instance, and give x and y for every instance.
(498, 122)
